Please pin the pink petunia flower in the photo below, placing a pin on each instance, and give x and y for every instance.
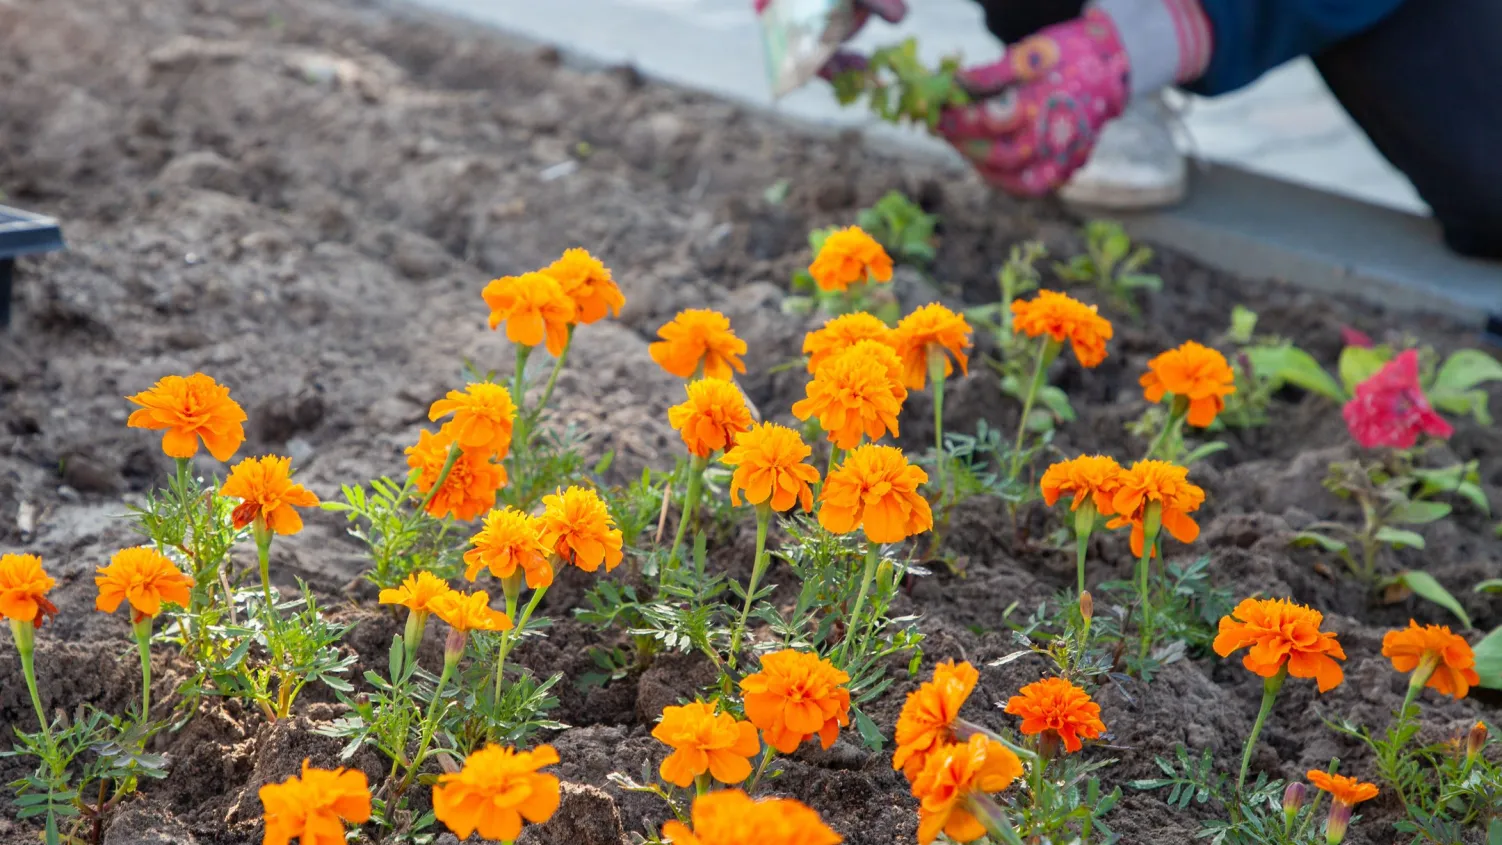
(1390, 408)
(1356, 337)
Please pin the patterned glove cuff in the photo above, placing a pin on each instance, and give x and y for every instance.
(1166, 41)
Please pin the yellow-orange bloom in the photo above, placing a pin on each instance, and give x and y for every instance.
(588, 283)
(578, 528)
(703, 741)
(699, 342)
(483, 416)
(769, 465)
(1280, 633)
(1454, 663)
(418, 593)
(850, 256)
(842, 332)
(1343, 790)
(857, 393)
(1165, 484)
(931, 330)
(471, 485)
(470, 612)
(927, 718)
(1092, 478)
(510, 540)
(796, 695)
(144, 577)
(951, 776)
(191, 409)
(23, 589)
(1057, 706)
(711, 418)
(498, 788)
(314, 807)
(1062, 318)
(1197, 373)
(730, 817)
(876, 489)
(534, 308)
(266, 492)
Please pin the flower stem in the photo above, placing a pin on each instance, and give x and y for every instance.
(1084, 525)
(443, 475)
(758, 567)
(262, 533)
(1040, 370)
(690, 503)
(873, 552)
(547, 392)
(1174, 423)
(143, 644)
(836, 454)
(766, 757)
(509, 639)
(936, 362)
(429, 725)
(1152, 526)
(1421, 674)
(1270, 689)
(512, 591)
(518, 379)
(24, 633)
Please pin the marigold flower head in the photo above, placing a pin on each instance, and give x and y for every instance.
(1055, 705)
(876, 489)
(931, 330)
(842, 332)
(191, 409)
(511, 540)
(1062, 318)
(1390, 408)
(730, 817)
(951, 776)
(144, 577)
(1088, 478)
(483, 417)
(498, 788)
(927, 717)
(797, 695)
(699, 338)
(704, 741)
(769, 466)
(266, 492)
(1449, 654)
(578, 528)
(1344, 790)
(471, 485)
(1281, 633)
(857, 393)
(1198, 374)
(534, 308)
(469, 612)
(588, 283)
(711, 418)
(1161, 483)
(418, 593)
(23, 589)
(314, 807)
(848, 257)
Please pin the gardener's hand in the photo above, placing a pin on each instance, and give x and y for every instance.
(890, 11)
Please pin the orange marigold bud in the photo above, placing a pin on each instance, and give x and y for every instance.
(418, 593)
(578, 528)
(769, 465)
(534, 308)
(711, 418)
(1278, 632)
(795, 696)
(1432, 648)
(314, 807)
(703, 741)
(471, 485)
(1198, 374)
(483, 417)
(857, 393)
(588, 283)
(927, 718)
(1054, 705)
(469, 612)
(730, 817)
(1092, 478)
(1156, 483)
(1342, 789)
(498, 788)
(1475, 740)
(876, 489)
(191, 409)
(266, 492)
(699, 342)
(850, 256)
(510, 540)
(931, 330)
(1062, 318)
(23, 589)
(841, 333)
(951, 777)
(144, 577)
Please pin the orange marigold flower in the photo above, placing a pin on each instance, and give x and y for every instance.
(850, 256)
(266, 492)
(711, 418)
(144, 577)
(841, 333)
(1160, 482)
(498, 788)
(951, 776)
(1062, 318)
(190, 409)
(699, 342)
(588, 283)
(578, 528)
(510, 540)
(927, 718)
(23, 589)
(314, 807)
(1343, 790)
(857, 393)
(931, 330)
(534, 308)
(875, 488)
(1092, 478)
(769, 465)
(418, 592)
(1281, 633)
(1055, 705)
(1453, 663)
(703, 741)
(795, 696)
(1197, 373)
(471, 485)
(730, 817)
(483, 416)
(470, 612)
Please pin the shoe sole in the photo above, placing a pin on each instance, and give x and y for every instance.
(1123, 197)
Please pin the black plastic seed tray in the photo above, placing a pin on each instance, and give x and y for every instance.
(22, 233)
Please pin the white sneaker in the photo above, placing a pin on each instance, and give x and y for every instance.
(1136, 163)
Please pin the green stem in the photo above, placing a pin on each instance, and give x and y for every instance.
(429, 725)
(1084, 525)
(518, 380)
(836, 454)
(873, 552)
(443, 475)
(1416, 682)
(690, 503)
(547, 392)
(1040, 370)
(1174, 423)
(758, 567)
(24, 633)
(509, 639)
(766, 757)
(513, 594)
(936, 362)
(143, 644)
(1270, 689)
(262, 533)
(1152, 526)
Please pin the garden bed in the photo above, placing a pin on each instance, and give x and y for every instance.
(304, 200)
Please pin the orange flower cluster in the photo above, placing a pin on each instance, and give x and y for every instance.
(266, 493)
(795, 696)
(419, 593)
(496, 790)
(465, 612)
(534, 308)
(1062, 318)
(1164, 484)
(848, 257)
(1433, 648)
(510, 541)
(704, 741)
(841, 333)
(730, 817)
(955, 775)
(1198, 374)
(470, 487)
(577, 527)
(1343, 790)
(712, 417)
(483, 417)
(588, 283)
(926, 722)
(1279, 633)
(1055, 707)
(1088, 478)
(144, 577)
(699, 342)
(23, 589)
(769, 465)
(856, 394)
(931, 330)
(314, 807)
(189, 410)
(876, 489)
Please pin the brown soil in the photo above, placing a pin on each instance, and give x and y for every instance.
(303, 199)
